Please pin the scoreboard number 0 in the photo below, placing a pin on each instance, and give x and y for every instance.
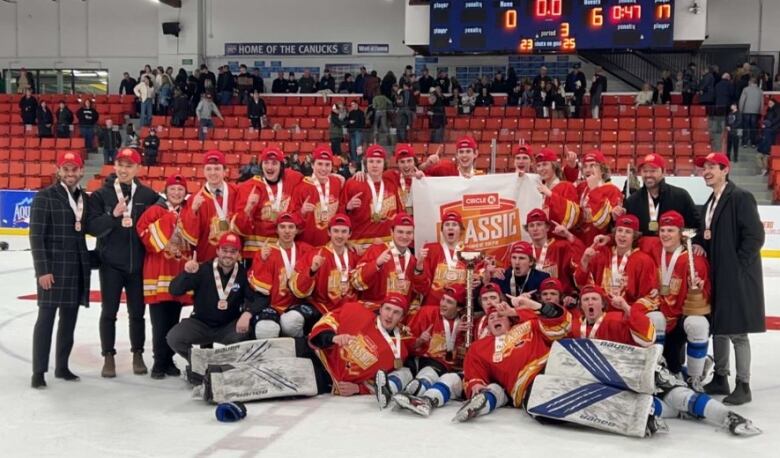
(510, 19)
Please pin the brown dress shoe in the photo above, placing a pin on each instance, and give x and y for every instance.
(109, 367)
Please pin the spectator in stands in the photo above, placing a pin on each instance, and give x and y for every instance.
(338, 121)
(127, 85)
(45, 120)
(455, 100)
(382, 106)
(181, 80)
(255, 110)
(244, 83)
(360, 81)
(724, 97)
(426, 81)
(180, 110)
(541, 79)
(64, 120)
(151, 147)
(766, 82)
(347, 86)
(145, 93)
(247, 171)
(258, 84)
(204, 111)
(438, 118)
(131, 137)
(527, 96)
(226, 83)
(454, 83)
(707, 89)
(515, 95)
(741, 79)
(511, 78)
(679, 81)
(468, 101)
(279, 85)
(356, 122)
(443, 82)
(24, 81)
(110, 140)
(668, 82)
(28, 107)
(166, 91)
(306, 83)
(406, 77)
(371, 86)
(194, 90)
(208, 81)
(484, 99)
(292, 84)
(327, 82)
(407, 107)
(576, 84)
(777, 81)
(750, 104)
(386, 86)
(660, 95)
(733, 130)
(499, 84)
(770, 125)
(597, 88)
(689, 86)
(645, 96)
(88, 118)
(556, 99)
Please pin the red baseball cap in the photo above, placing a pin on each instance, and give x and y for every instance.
(671, 218)
(322, 153)
(521, 149)
(457, 292)
(546, 155)
(628, 221)
(69, 157)
(587, 289)
(128, 154)
(466, 141)
(403, 151)
(594, 156)
(536, 215)
(452, 216)
(714, 158)
(340, 219)
(214, 156)
(522, 247)
(229, 239)
(289, 217)
(375, 152)
(652, 159)
(272, 153)
(551, 283)
(490, 288)
(403, 219)
(176, 180)
(398, 300)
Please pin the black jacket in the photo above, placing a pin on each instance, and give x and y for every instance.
(327, 82)
(734, 253)
(87, 116)
(724, 93)
(151, 145)
(279, 86)
(109, 138)
(29, 109)
(58, 249)
(64, 116)
(127, 86)
(118, 246)
(240, 298)
(255, 110)
(669, 198)
(356, 119)
(225, 82)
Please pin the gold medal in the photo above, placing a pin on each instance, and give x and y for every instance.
(665, 290)
(273, 215)
(77, 226)
(376, 217)
(344, 288)
(707, 234)
(223, 225)
(397, 363)
(653, 226)
(452, 275)
(222, 304)
(127, 221)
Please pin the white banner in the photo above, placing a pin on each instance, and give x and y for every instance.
(770, 217)
(493, 208)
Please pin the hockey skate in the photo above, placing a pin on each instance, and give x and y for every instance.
(655, 425)
(383, 393)
(419, 405)
(415, 388)
(740, 426)
(471, 408)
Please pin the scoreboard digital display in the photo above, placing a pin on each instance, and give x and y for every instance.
(564, 26)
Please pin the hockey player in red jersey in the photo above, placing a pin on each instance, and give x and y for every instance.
(208, 213)
(561, 200)
(262, 198)
(316, 198)
(597, 198)
(628, 324)
(354, 343)
(403, 174)
(463, 166)
(166, 254)
(322, 276)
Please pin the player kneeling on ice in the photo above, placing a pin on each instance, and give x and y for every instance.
(611, 386)
(354, 343)
(439, 351)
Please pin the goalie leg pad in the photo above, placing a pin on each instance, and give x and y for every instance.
(275, 378)
(247, 351)
(697, 330)
(659, 323)
(610, 363)
(590, 404)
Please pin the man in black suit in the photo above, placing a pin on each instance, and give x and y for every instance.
(61, 263)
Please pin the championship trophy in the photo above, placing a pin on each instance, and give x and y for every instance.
(695, 303)
(471, 258)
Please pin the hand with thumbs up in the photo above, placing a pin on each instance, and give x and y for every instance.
(254, 199)
(382, 259)
(317, 261)
(354, 202)
(307, 207)
(424, 338)
(265, 251)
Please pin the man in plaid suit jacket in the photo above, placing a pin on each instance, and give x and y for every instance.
(61, 262)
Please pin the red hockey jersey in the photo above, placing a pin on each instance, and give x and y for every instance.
(634, 329)
(373, 285)
(404, 185)
(599, 202)
(203, 229)
(436, 349)
(556, 260)
(436, 274)
(367, 223)
(325, 290)
(270, 277)
(315, 231)
(562, 205)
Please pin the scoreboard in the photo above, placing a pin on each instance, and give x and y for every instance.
(539, 26)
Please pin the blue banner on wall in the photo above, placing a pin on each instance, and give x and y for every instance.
(373, 48)
(288, 49)
(15, 208)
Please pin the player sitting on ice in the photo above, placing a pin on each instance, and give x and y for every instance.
(627, 324)
(439, 350)
(510, 358)
(354, 343)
